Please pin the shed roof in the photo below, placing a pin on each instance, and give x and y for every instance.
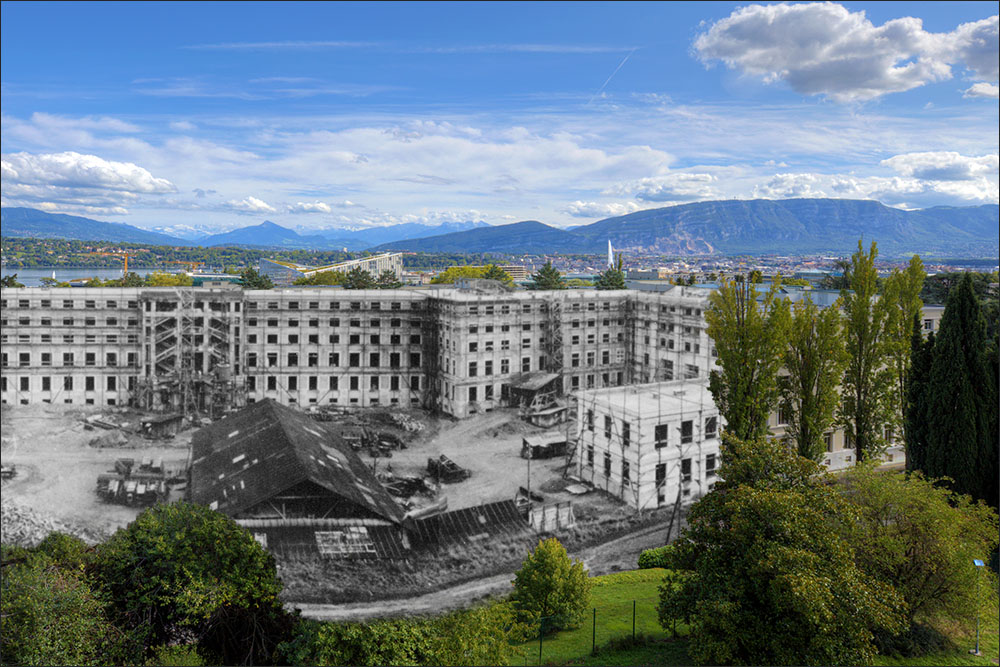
(266, 448)
(532, 381)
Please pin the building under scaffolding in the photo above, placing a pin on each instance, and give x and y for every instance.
(652, 445)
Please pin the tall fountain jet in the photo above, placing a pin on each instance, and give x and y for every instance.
(611, 256)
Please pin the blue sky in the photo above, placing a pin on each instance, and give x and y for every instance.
(313, 115)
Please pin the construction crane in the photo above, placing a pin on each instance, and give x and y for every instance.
(123, 255)
(192, 266)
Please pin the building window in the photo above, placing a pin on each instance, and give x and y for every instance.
(67, 383)
(293, 383)
(710, 465)
(473, 394)
(828, 441)
(354, 359)
(607, 427)
(687, 432)
(711, 427)
(685, 470)
(334, 383)
(88, 383)
(626, 433)
(374, 360)
(607, 464)
(293, 359)
(660, 435)
(784, 414)
(46, 384)
(590, 420)
(590, 456)
(626, 472)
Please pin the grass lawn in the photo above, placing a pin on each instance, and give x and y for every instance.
(612, 596)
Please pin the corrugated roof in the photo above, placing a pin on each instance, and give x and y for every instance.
(267, 448)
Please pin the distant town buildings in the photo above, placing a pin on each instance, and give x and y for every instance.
(284, 274)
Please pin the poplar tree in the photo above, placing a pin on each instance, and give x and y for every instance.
(960, 406)
(749, 332)
(901, 299)
(917, 383)
(867, 387)
(814, 359)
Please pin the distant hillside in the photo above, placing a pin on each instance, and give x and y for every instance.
(366, 238)
(529, 236)
(762, 226)
(32, 223)
(266, 234)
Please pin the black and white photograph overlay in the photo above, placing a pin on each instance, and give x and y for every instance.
(499, 333)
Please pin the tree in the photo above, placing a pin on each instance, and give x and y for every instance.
(551, 587)
(251, 279)
(322, 278)
(358, 278)
(960, 405)
(132, 279)
(901, 298)
(10, 281)
(164, 279)
(814, 359)
(841, 282)
(768, 577)
(921, 539)
(917, 386)
(453, 273)
(868, 384)
(494, 272)
(51, 616)
(180, 569)
(546, 278)
(749, 335)
(613, 278)
(388, 280)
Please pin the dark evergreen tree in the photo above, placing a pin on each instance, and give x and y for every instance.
(388, 280)
(358, 278)
(959, 403)
(921, 356)
(546, 278)
(613, 278)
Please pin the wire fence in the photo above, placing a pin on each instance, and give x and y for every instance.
(614, 621)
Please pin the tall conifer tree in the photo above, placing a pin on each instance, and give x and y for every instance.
(959, 397)
(917, 384)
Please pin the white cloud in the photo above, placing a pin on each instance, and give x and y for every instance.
(591, 209)
(672, 187)
(250, 205)
(784, 186)
(73, 170)
(943, 166)
(990, 91)
(825, 49)
(183, 126)
(309, 207)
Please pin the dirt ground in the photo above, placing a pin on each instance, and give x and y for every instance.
(57, 469)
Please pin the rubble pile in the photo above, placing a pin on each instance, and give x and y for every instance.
(406, 422)
(24, 526)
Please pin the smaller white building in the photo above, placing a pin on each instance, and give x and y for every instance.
(649, 444)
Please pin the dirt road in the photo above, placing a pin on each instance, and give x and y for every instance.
(618, 554)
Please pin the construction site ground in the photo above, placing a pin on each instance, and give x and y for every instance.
(58, 469)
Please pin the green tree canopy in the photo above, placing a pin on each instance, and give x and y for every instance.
(358, 278)
(546, 278)
(921, 539)
(768, 579)
(10, 280)
(322, 278)
(551, 586)
(250, 278)
(453, 273)
(749, 333)
(961, 402)
(814, 360)
(868, 385)
(183, 568)
(901, 299)
(613, 278)
(388, 280)
(494, 272)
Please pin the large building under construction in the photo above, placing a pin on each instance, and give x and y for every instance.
(459, 351)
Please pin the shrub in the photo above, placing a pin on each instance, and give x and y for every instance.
(50, 616)
(658, 557)
(551, 587)
(381, 642)
(183, 569)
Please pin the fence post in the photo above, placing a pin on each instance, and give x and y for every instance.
(593, 634)
(541, 633)
(633, 621)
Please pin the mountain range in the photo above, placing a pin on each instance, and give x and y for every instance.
(760, 226)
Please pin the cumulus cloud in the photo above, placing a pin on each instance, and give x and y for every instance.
(990, 91)
(673, 187)
(250, 205)
(309, 207)
(943, 166)
(592, 209)
(73, 170)
(183, 126)
(784, 186)
(825, 49)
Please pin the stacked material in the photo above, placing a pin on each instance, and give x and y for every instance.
(406, 422)
(24, 526)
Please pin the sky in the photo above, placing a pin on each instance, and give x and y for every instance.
(192, 116)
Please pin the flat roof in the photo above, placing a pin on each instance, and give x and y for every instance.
(655, 399)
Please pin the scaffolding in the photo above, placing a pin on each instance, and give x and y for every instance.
(190, 363)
